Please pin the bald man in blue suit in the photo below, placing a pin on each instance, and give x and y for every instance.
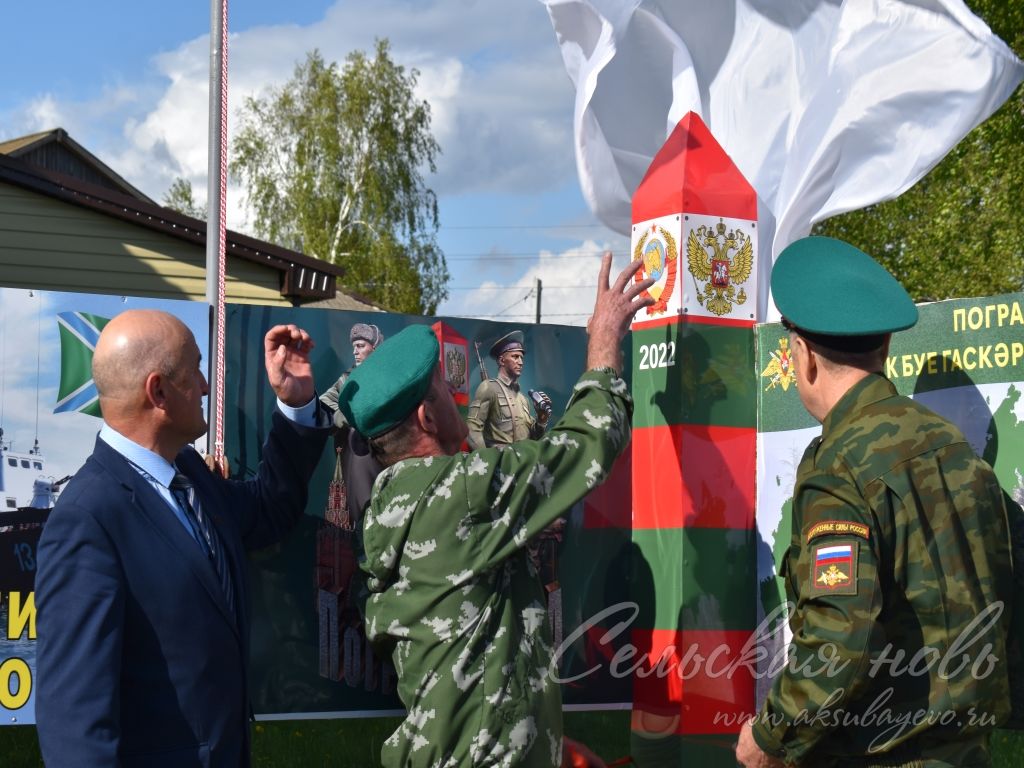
(143, 621)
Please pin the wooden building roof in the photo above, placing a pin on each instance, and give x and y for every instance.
(56, 151)
(302, 279)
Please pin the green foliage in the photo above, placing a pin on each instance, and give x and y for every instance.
(959, 231)
(331, 164)
(356, 743)
(179, 198)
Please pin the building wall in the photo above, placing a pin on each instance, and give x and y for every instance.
(48, 244)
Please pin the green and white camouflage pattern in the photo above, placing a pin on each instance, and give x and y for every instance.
(455, 602)
(908, 666)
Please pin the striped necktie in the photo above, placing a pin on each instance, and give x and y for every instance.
(184, 492)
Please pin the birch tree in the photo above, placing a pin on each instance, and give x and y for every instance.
(332, 164)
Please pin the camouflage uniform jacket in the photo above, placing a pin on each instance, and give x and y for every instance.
(899, 543)
(500, 415)
(455, 602)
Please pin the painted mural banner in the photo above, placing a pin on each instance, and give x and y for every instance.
(49, 418)
(964, 359)
(310, 657)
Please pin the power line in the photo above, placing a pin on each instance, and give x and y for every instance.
(522, 226)
(586, 286)
(528, 256)
(517, 287)
(506, 309)
(524, 314)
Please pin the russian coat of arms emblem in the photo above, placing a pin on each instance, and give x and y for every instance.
(721, 261)
(455, 367)
(659, 253)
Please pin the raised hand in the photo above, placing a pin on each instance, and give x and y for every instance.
(286, 354)
(614, 309)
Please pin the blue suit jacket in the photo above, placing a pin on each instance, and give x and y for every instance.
(139, 660)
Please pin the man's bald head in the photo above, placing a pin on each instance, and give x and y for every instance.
(133, 345)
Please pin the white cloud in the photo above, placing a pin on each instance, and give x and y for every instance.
(568, 287)
(501, 106)
(500, 99)
(42, 113)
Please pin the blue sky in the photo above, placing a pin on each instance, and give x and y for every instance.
(129, 81)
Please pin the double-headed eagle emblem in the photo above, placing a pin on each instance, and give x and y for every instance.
(832, 577)
(707, 256)
(456, 367)
(780, 371)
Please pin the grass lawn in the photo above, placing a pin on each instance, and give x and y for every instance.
(356, 743)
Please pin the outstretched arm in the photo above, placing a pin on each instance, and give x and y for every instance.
(538, 481)
(270, 504)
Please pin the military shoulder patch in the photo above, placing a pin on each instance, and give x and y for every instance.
(837, 528)
(835, 569)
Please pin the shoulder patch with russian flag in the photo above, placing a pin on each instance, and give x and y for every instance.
(835, 569)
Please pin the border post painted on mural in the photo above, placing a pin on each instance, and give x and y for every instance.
(454, 362)
(695, 229)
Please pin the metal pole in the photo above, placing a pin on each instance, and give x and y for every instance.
(539, 288)
(214, 220)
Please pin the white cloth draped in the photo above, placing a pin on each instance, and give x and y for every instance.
(826, 106)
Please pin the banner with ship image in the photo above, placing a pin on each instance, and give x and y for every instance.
(965, 359)
(48, 424)
(309, 655)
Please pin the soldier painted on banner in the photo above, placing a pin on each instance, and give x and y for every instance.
(899, 566)
(340, 587)
(500, 414)
(356, 468)
(453, 601)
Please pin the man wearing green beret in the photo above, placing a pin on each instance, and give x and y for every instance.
(500, 413)
(454, 602)
(899, 570)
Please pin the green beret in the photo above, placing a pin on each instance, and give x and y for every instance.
(508, 343)
(828, 287)
(391, 382)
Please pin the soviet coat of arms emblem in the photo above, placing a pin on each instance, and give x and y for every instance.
(657, 248)
(708, 259)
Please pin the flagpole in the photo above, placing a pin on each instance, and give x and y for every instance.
(215, 225)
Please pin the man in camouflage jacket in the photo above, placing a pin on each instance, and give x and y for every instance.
(455, 602)
(899, 565)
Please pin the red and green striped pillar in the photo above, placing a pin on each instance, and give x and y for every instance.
(693, 453)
